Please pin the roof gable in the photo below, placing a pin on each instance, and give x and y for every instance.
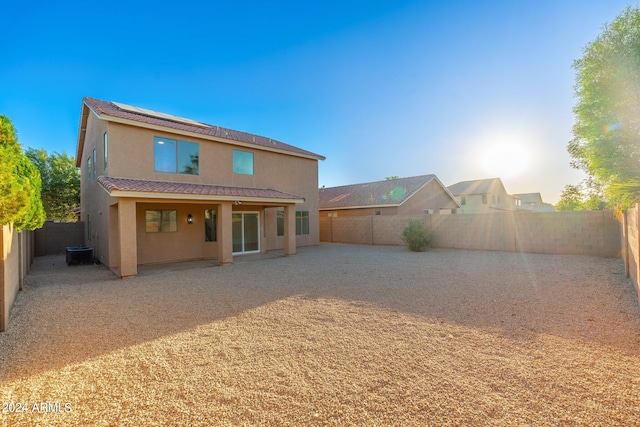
(478, 186)
(391, 192)
(135, 116)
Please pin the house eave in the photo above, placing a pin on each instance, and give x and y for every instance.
(202, 197)
(135, 123)
(359, 207)
(82, 132)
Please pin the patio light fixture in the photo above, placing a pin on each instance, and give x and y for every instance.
(189, 219)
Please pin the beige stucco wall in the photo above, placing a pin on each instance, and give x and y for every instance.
(94, 201)
(131, 155)
(495, 201)
(187, 243)
(9, 272)
(431, 196)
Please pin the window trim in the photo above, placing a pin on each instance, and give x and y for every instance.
(105, 151)
(89, 168)
(175, 159)
(172, 229)
(301, 224)
(236, 168)
(279, 223)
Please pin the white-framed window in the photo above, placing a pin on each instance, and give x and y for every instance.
(173, 156)
(302, 223)
(280, 223)
(105, 151)
(89, 167)
(242, 162)
(161, 221)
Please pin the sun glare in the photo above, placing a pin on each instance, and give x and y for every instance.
(506, 158)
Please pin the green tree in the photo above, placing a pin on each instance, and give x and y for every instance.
(20, 183)
(570, 199)
(574, 198)
(60, 183)
(606, 143)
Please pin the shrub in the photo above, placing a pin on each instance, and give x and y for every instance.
(416, 235)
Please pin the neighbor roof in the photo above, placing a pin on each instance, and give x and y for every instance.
(392, 192)
(123, 187)
(530, 197)
(478, 186)
(122, 113)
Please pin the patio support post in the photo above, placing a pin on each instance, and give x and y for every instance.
(290, 230)
(127, 238)
(225, 234)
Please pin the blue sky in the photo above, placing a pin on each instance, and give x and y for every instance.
(462, 89)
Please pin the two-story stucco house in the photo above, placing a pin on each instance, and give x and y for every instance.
(158, 188)
(483, 196)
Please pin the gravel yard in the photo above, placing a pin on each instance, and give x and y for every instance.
(336, 335)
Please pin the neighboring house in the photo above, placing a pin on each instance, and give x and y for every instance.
(483, 196)
(158, 188)
(533, 202)
(402, 196)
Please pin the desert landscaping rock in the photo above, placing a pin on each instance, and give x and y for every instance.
(336, 335)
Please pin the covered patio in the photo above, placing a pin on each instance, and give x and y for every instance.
(162, 222)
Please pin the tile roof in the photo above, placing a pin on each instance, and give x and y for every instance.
(380, 193)
(478, 186)
(159, 119)
(180, 188)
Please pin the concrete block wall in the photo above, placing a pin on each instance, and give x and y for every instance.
(387, 230)
(595, 233)
(473, 231)
(54, 237)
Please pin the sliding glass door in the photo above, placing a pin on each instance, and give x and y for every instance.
(246, 232)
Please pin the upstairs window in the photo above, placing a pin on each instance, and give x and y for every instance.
(463, 200)
(484, 199)
(89, 167)
(105, 150)
(174, 156)
(242, 162)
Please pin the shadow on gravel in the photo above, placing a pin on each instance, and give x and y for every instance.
(516, 295)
